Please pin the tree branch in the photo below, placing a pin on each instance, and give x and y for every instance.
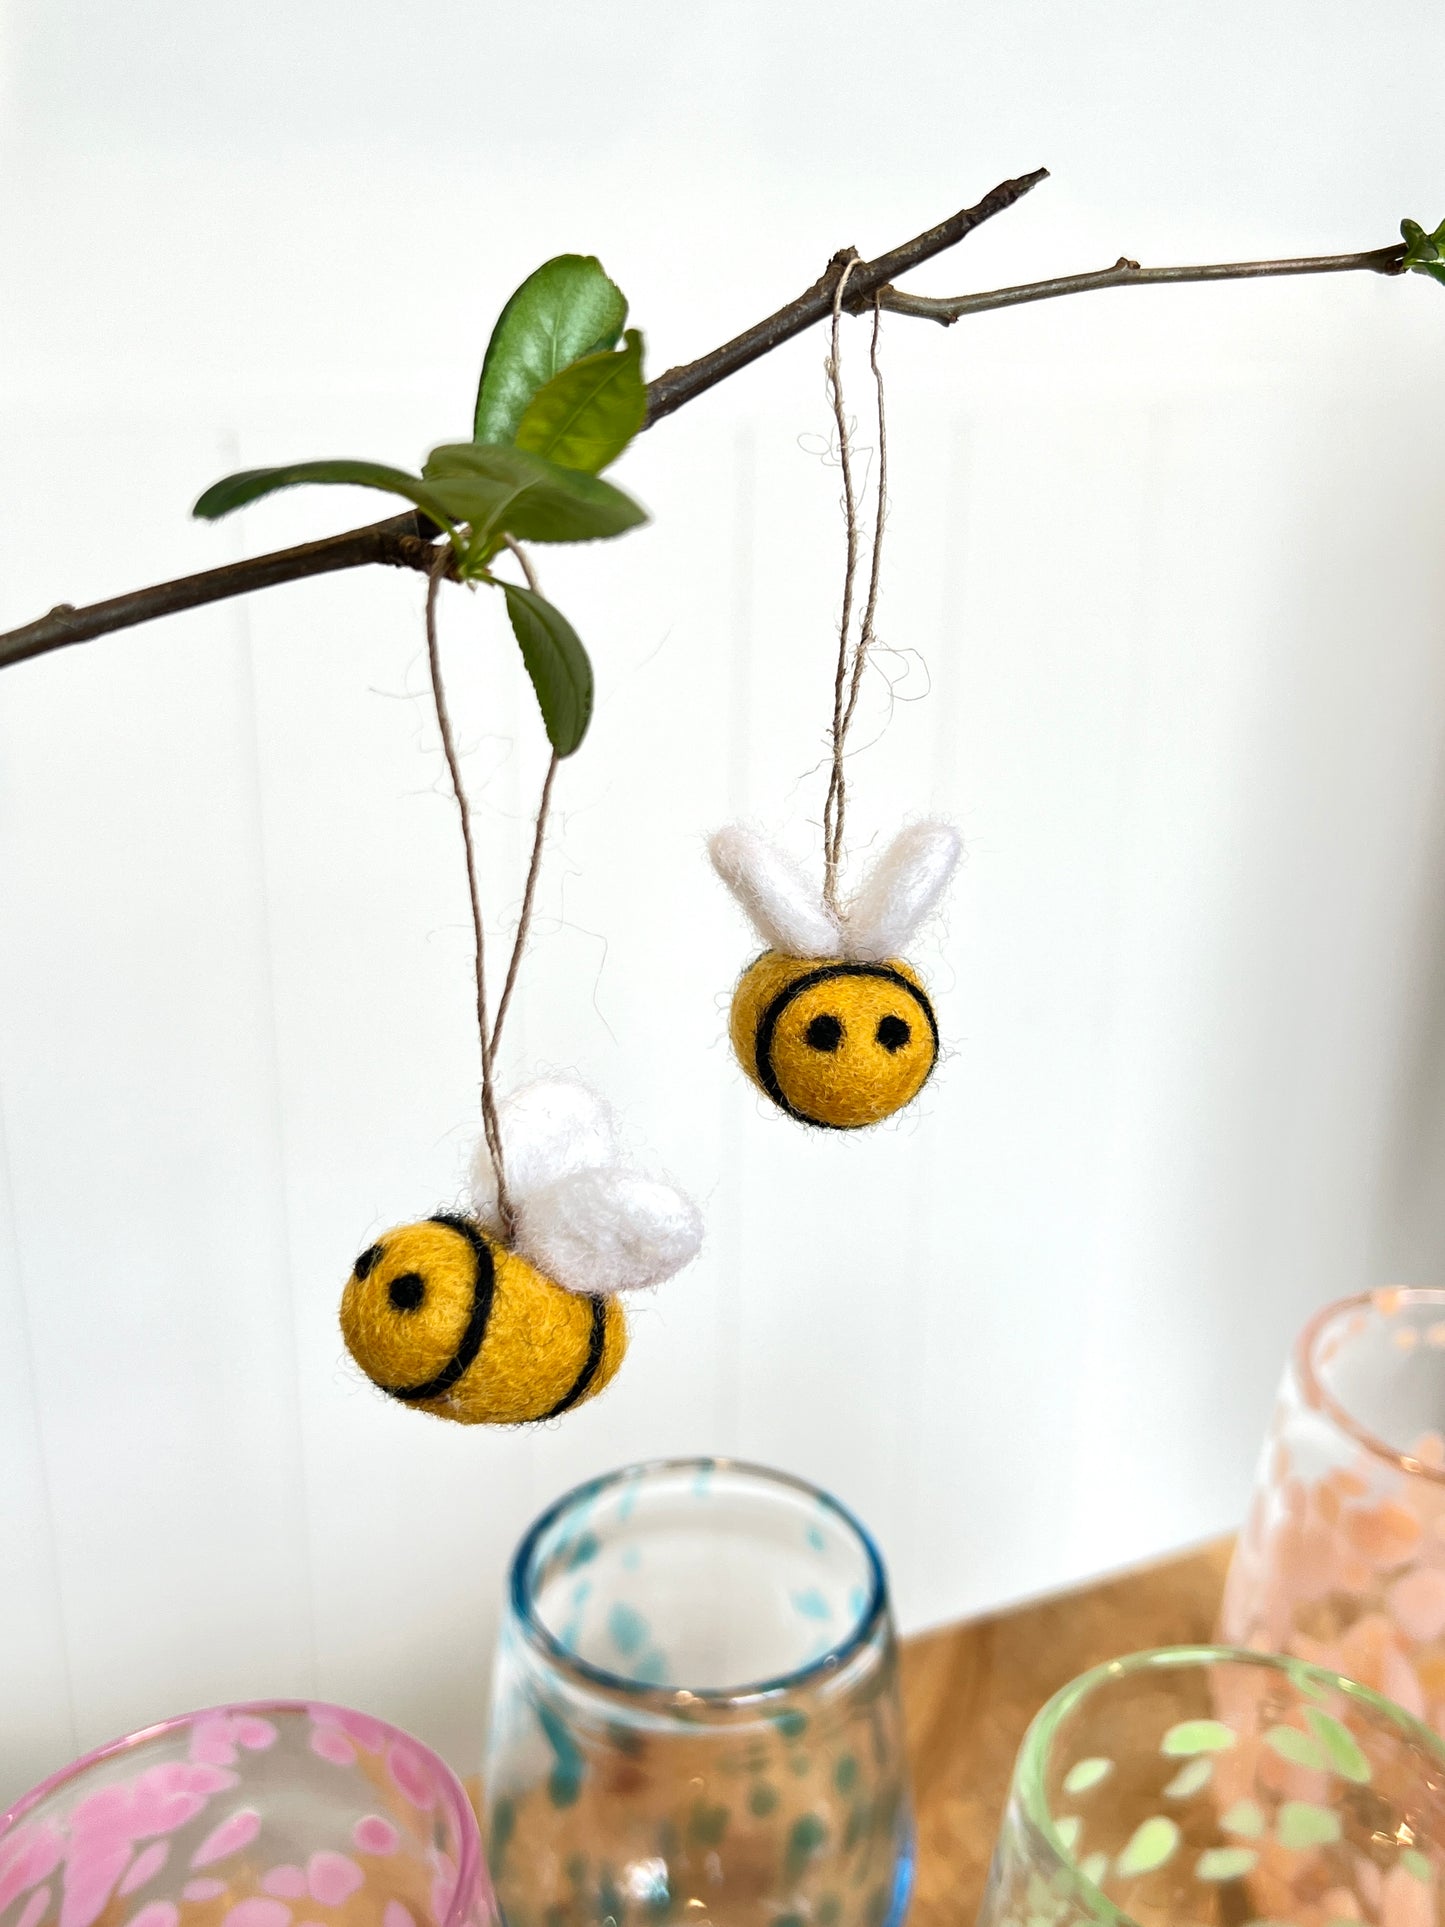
(398, 541)
(681, 385)
(407, 541)
(1128, 274)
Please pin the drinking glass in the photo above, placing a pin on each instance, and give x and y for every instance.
(248, 1816)
(1207, 1785)
(1342, 1558)
(695, 1710)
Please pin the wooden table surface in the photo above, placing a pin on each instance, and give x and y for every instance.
(970, 1691)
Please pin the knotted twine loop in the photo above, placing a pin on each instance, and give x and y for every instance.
(852, 654)
(489, 1034)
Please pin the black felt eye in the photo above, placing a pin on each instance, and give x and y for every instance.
(893, 1033)
(824, 1032)
(366, 1263)
(407, 1292)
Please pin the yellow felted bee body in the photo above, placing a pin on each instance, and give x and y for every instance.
(829, 1021)
(445, 1318)
(460, 1319)
(832, 1042)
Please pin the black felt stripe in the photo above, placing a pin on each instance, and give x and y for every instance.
(768, 1024)
(597, 1338)
(484, 1287)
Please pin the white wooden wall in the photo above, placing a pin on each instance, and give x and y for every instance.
(1165, 570)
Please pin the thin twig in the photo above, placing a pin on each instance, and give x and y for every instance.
(681, 385)
(401, 542)
(1128, 274)
(832, 808)
(870, 609)
(406, 541)
(444, 725)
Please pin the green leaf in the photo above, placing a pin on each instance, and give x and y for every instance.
(1197, 1736)
(511, 489)
(566, 310)
(585, 417)
(1345, 1753)
(557, 663)
(1296, 1747)
(1151, 1846)
(1424, 253)
(235, 491)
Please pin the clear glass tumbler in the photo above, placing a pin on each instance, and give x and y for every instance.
(695, 1711)
(1342, 1558)
(1210, 1786)
(248, 1816)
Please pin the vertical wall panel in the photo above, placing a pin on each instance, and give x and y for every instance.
(140, 1116)
(1168, 565)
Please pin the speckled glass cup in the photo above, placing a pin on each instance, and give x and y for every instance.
(695, 1711)
(1342, 1558)
(262, 1815)
(1206, 1785)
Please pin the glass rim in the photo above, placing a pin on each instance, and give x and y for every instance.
(1031, 1766)
(714, 1698)
(1320, 1400)
(471, 1868)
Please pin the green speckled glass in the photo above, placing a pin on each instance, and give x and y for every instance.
(1219, 1788)
(695, 1712)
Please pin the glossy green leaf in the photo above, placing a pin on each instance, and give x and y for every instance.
(511, 489)
(585, 417)
(1424, 253)
(567, 309)
(235, 491)
(557, 663)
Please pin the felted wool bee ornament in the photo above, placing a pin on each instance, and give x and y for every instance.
(455, 1317)
(830, 1021)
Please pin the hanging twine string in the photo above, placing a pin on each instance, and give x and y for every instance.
(832, 848)
(449, 747)
(524, 921)
(870, 607)
(489, 1033)
(852, 653)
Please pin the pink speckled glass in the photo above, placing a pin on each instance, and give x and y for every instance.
(277, 1814)
(1342, 1559)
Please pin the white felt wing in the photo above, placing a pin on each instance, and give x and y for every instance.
(903, 889)
(785, 909)
(609, 1230)
(549, 1129)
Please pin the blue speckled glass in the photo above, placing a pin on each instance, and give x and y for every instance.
(695, 1712)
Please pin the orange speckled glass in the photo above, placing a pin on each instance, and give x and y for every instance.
(1342, 1559)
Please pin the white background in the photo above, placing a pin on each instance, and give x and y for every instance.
(1170, 562)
